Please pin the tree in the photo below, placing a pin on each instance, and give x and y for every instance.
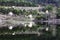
(16, 11)
(49, 7)
(58, 11)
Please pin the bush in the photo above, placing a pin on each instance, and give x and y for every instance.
(17, 11)
(16, 3)
(49, 7)
(58, 11)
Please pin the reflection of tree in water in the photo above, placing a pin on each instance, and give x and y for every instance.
(26, 37)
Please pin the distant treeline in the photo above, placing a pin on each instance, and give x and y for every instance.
(12, 3)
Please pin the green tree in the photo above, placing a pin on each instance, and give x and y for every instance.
(49, 7)
(58, 11)
(16, 11)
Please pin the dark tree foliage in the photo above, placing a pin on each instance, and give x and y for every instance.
(13, 3)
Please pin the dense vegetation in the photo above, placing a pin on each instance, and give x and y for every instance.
(26, 37)
(45, 36)
(58, 11)
(16, 3)
(17, 11)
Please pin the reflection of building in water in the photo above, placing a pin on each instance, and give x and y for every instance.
(53, 21)
(13, 21)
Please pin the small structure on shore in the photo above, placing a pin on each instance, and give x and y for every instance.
(10, 13)
(10, 27)
(30, 25)
(47, 11)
